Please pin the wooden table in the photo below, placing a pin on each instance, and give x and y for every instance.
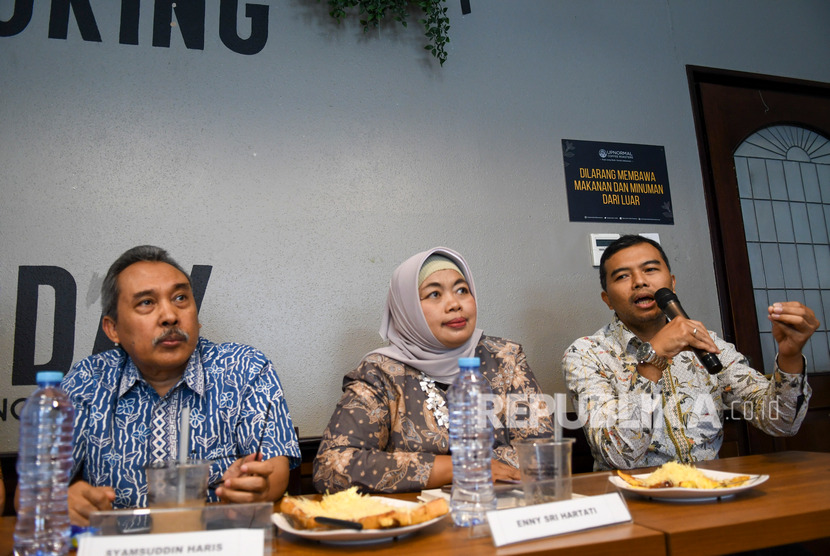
(792, 506)
(444, 538)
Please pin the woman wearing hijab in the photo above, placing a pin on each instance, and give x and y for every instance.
(389, 431)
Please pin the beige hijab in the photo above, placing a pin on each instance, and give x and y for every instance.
(410, 340)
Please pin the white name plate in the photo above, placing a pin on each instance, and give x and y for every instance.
(222, 542)
(555, 518)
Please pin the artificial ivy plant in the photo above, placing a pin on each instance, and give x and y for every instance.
(372, 12)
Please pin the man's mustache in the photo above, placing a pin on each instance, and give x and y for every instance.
(171, 333)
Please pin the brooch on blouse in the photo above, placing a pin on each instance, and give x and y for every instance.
(435, 401)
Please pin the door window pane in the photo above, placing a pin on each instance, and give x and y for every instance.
(801, 224)
(784, 185)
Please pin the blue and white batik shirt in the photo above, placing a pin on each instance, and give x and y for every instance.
(122, 424)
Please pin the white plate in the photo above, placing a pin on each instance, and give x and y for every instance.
(350, 535)
(691, 494)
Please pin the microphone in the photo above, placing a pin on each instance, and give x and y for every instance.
(668, 302)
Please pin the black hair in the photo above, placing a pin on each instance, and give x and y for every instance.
(624, 242)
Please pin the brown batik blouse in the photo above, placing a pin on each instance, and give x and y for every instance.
(391, 420)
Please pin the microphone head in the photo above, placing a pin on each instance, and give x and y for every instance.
(664, 296)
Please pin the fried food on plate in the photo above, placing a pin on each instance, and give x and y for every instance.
(673, 474)
(371, 511)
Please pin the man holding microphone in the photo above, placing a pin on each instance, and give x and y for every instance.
(643, 394)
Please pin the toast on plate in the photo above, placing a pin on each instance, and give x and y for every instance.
(370, 511)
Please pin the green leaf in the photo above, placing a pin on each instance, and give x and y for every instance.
(435, 22)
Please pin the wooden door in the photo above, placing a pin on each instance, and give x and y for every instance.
(731, 111)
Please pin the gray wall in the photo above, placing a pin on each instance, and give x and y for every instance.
(305, 173)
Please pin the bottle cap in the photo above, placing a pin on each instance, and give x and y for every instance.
(469, 362)
(48, 376)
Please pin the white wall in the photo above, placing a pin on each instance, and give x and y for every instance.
(305, 173)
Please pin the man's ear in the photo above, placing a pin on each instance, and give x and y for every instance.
(110, 329)
(607, 301)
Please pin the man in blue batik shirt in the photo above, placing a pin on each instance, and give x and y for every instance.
(128, 401)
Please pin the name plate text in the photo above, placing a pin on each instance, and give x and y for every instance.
(555, 518)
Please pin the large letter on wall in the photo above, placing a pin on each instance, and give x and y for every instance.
(129, 22)
(29, 278)
(21, 16)
(59, 20)
(228, 27)
(190, 16)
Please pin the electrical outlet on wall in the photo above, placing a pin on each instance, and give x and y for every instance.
(600, 241)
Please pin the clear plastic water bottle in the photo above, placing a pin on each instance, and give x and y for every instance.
(471, 445)
(43, 466)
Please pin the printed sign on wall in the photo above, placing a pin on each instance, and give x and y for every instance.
(616, 182)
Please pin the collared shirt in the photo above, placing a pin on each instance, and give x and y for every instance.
(630, 421)
(122, 424)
